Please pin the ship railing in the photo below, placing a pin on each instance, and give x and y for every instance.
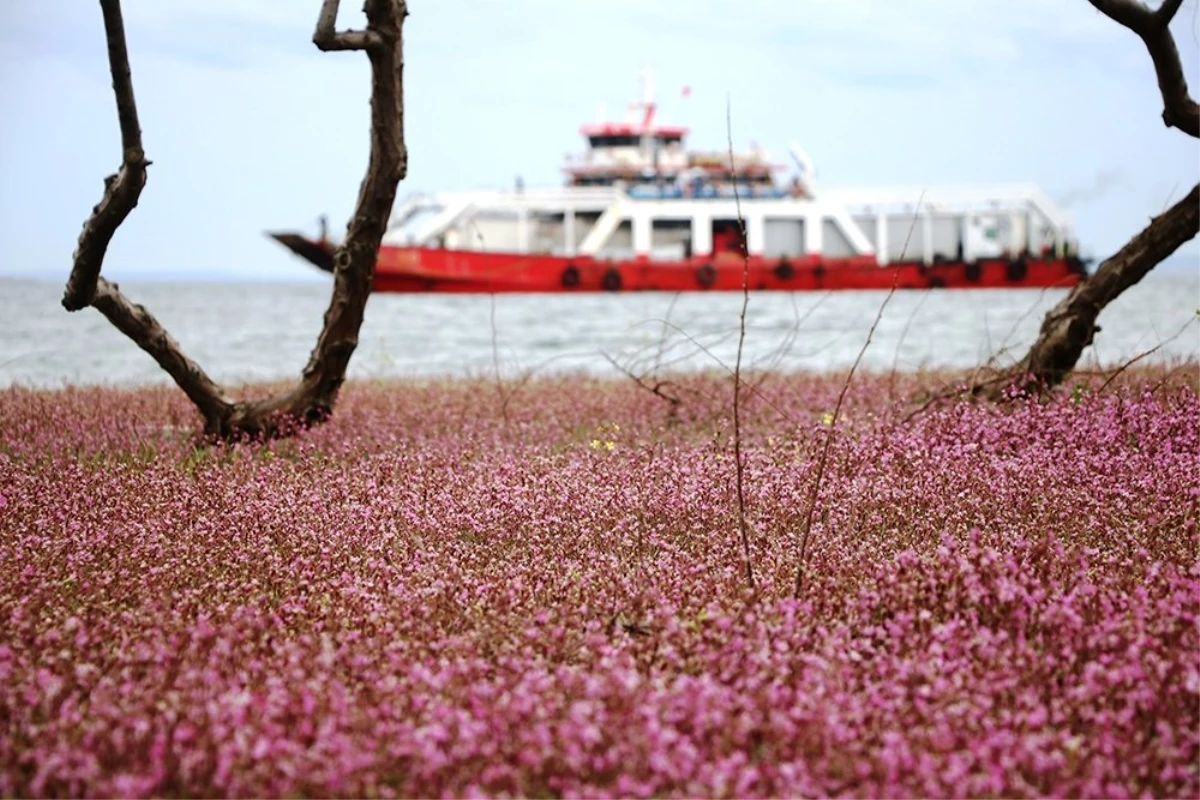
(707, 192)
(973, 200)
(408, 208)
(423, 218)
(444, 219)
(530, 200)
(549, 198)
(968, 198)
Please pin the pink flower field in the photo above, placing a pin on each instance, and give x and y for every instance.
(538, 590)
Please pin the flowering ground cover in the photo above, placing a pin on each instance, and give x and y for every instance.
(458, 590)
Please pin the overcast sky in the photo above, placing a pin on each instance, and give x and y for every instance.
(251, 128)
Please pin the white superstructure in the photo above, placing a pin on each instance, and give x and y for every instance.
(637, 192)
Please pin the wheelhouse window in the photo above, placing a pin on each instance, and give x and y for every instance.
(613, 141)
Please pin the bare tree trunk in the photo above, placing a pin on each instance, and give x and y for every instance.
(1071, 325)
(312, 399)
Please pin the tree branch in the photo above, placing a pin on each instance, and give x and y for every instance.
(311, 399)
(121, 191)
(354, 260)
(328, 39)
(1070, 326)
(140, 325)
(1153, 27)
(1166, 12)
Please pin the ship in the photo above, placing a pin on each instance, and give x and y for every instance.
(639, 210)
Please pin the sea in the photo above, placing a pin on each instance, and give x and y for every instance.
(244, 332)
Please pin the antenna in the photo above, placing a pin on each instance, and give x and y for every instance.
(808, 171)
(802, 160)
(647, 97)
(648, 85)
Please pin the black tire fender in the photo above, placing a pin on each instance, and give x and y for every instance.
(1017, 270)
(611, 282)
(570, 276)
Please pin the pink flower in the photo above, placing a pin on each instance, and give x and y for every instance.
(426, 598)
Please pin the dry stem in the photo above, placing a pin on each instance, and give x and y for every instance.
(737, 367)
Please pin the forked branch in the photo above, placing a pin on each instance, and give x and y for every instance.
(311, 399)
(1153, 28)
(121, 193)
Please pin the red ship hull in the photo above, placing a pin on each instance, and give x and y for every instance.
(416, 270)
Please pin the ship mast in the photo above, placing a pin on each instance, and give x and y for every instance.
(647, 97)
(649, 145)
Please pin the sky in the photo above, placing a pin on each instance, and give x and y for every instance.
(250, 128)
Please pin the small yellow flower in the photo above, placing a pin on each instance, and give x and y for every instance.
(827, 418)
(605, 429)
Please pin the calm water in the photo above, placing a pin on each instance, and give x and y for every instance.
(247, 331)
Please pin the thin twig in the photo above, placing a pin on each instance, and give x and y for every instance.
(737, 367)
(900, 343)
(904, 332)
(837, 409)
(496, 359)
(656, 389)
(968, 387)
(802, 559)
(749, 387)
(994, 358)
(790, 339)
(1145, 354)
(662, 338)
